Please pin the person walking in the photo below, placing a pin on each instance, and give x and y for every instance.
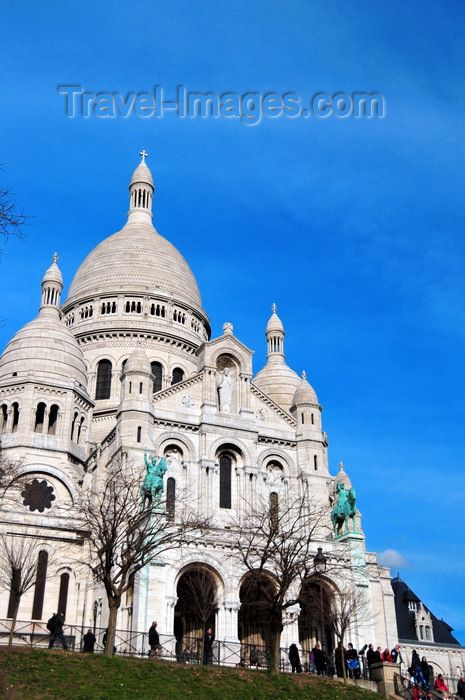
(352, 661)
(294, 658)
(415, 660)
(89, 640)
(154, 641)
(319, 659)
(254, 658)
(396, 655)
(372, 658)
(208, 647)
(386, 656)
(425, 670)
(55, 626)
(461, 687)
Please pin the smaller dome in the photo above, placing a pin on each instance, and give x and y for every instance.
(45, 348)
(142, 174)
(275, 323)
(138, 362)
(279, 382)
(305, 392)
(53, 273)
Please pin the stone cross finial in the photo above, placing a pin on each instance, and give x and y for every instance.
(55, 257)
(144, 155)
(274, 308)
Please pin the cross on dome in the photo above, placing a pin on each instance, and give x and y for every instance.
(144, 155)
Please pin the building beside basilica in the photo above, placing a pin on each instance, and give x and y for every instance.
(127, 363)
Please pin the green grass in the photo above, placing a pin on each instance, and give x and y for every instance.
(41, 674)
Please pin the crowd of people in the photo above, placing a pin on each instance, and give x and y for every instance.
(342, 661)
(356, 662)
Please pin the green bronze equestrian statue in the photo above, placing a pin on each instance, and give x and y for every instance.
(343, 510)
(152, 487)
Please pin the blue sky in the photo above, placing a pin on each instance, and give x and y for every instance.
(353, 227)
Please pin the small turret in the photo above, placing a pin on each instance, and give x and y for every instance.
(276, 379)
(136, 405)
(52, 286)
(141, 191)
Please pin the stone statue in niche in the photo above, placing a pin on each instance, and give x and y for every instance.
(224, 388)
(173, 461)
(274, 479)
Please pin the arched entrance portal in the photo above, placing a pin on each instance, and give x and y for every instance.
(255, 614)
(314, 600)
(195, 611)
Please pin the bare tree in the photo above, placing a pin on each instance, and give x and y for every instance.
(276, 543)
(198, 593)
(19, 569)
(12, 219)
(344, 608)
(123, 537)
(9, 472)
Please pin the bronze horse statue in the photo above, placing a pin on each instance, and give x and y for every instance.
(344, 510)
(152, 486)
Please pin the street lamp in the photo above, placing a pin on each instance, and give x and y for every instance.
(319, 561)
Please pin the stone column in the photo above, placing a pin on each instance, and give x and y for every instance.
(383, 675)
(226, 632)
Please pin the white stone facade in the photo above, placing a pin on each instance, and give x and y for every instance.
(134, 317)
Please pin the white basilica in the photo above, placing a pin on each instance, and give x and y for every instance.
(134, 321)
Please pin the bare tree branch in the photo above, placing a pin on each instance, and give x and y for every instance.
(276, 543)
(19, 567)
(123, 537)
(12, 219)
(9, 472)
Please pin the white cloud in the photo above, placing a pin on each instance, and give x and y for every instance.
(392, 558)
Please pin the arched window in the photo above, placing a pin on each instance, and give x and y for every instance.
(315, 462)
(3, 417)
(274, 511)
(139, 433)
(157, 371)
(74, 425)
(39, 589)
(14, 588)
(225, 481)
(40, 416)
(63, 594)
(15, 408)
(53, 419)
(79, 430)
(103, 388)
(177, 376)
(170, 497)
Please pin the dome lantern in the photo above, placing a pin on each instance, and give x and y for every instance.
(276, 379)
(141, 192)
(52, 286)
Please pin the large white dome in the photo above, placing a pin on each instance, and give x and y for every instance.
(135, 260)
(46, 348)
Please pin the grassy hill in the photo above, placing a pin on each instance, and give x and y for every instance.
(41, 674)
